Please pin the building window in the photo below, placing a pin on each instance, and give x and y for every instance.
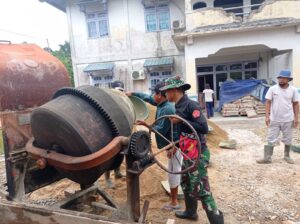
(98, 78)
(102, 81)
(205, 69)
(157, 18)
(159, 76)
(250, 70)
(199, 5)
(154, 74)
(97, 24)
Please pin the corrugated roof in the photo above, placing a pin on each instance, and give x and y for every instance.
(99, 67)
(165, 61)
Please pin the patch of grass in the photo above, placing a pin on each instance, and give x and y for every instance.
(1, 143)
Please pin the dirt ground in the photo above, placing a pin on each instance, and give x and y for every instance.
(244, 191)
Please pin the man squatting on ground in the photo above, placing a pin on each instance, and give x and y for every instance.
(282, 109)
(195, 184)
(163, 126)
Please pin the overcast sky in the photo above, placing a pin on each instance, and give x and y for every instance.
(32, 21)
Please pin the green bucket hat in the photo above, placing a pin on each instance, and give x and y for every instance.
(174, 83)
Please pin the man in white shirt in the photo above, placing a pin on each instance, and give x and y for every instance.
(282, 109)
(209, 100)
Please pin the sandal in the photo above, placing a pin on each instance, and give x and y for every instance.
(170, 207)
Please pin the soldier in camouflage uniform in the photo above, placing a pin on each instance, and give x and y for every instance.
(195, 183)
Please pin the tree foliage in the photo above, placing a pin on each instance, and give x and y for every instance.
(64, 55)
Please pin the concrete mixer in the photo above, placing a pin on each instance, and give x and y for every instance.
(79, 134)
(86, 131)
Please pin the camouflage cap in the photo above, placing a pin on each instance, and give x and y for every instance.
(174, 83)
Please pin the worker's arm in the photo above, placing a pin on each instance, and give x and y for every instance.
(146, 97)
(296, 113)
(268, 111)
(269, 98)
(164, 125)
(296, 107)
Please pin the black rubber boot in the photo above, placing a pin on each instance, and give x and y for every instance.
(191, 205)
(215, 217)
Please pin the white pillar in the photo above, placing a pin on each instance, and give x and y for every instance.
(188, 6)
(246, 10)
(296, 67)
(210, 3)
(191, 75)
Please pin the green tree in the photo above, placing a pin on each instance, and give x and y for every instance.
(64, 55)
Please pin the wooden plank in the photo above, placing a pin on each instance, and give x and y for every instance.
(142, 219)
(251, 113)
(19, 213)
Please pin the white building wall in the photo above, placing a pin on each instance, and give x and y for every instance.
(280, 62)
(128, 44)
(277, 38)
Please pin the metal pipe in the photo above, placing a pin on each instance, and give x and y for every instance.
(71, 163)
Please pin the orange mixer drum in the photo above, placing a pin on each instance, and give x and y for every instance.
(29, 76)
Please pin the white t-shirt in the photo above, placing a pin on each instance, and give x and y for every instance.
(208, 95)
(282, 103)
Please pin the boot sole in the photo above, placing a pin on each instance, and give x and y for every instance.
(289, 162)
(187, 217)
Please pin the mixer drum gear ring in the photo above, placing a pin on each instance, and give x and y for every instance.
(140, 144)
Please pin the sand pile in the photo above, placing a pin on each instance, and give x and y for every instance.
(152, 112)
(216, 136)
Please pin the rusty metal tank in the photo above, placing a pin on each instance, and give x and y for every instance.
(81, 121)
(29, 76)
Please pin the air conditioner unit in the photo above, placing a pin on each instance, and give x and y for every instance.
(138, 75)
(178, 24)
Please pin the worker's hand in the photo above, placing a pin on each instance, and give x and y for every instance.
(139, 122)
(267, 121)
(175, 120)
(128, 93)
(171, 152)
(296, 123)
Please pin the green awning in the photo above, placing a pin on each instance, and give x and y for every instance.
(99, 67)
(157, 62)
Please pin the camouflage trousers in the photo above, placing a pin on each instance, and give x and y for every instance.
(206, 157)
(196, 184)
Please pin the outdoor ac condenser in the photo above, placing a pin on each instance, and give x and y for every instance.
(138, 75)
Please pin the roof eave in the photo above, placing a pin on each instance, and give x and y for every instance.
(59, 4)
(186, 34)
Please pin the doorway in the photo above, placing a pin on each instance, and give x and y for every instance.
(205, 79)
(216, 74)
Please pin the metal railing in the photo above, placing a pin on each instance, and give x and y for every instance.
(242, 14)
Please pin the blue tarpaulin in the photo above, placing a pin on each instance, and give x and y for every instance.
(234, 90)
